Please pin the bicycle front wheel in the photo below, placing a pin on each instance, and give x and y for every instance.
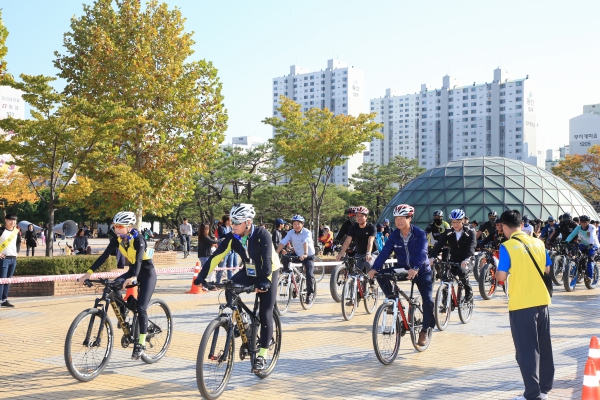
(160, 331)
(336, 282)
(442, 307)
(284, 297)
(274, 347)
(386, 334)
(558, 267)
(465, 308)
(319, 270)
(487, 282)
(349, 298)
(88, 345)
(415, 317)
(477, 265)
(304, 301)
(215, 359)
(371, 296)
(570, 276)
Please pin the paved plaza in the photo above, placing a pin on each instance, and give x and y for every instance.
(322, 355)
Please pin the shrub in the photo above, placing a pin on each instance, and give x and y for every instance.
(61, 265)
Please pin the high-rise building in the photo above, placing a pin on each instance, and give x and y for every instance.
(584, 130)
(244, 142)
(436, 126)
(338, 87)
(555, 156)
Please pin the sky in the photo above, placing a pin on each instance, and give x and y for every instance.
(398, 44)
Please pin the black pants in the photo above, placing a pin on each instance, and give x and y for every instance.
(186, 242)
(463, 277)
(530, 328)
(32, 250)
(147, 280)
(309, 266)
(266, 304)
(328, 250)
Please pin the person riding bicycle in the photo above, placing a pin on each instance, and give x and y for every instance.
(409, 244)
(327, 240)
(495, 238)
(387, 230)
(564, 229)
(304, 248)
(462, 242)
(261, 268)
(527, 228)
(588, 242)
(548, 230)
(436, 227)
(489, 226)
(341, 235)
(362, 234)
(132, 245)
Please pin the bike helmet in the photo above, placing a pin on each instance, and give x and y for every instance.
(457, 214)
(124, 218)
(438, 213)
(584, 218)
(403, 210)
(525, 218)
(378, 226)
(567, 215)
(298, 218)
(362, 210)
(351, 210)
(492, 214)
(241, 212)
(498, 221)
(550, 218)
(386, 221)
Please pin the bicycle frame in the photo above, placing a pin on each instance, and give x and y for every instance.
(451, 283)
(396, 301)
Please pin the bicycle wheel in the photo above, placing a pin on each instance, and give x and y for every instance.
(386, 334)
(319, 270)
(160, 331)
(303, 296)
(415, 318)
(487, 282)
(558, 267)
(442, 309)
(477, 265)
(283, 293)
(371, 296)
(274, 347)
(349, 298)
(170, 247)
(336, 281)
(215, 361)
(465, 308)
(570, 276)
(593, 282)
(87, 348)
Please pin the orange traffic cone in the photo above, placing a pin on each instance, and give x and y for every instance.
(594, 353)
(591, 389)
(132, 291)
(195, 289)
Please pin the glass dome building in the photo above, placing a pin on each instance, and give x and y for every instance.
(479, 185)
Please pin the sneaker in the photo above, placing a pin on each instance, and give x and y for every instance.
(543, 396)
(259, 364)
(469, 297)
(349, 303)
(138, 350)
(310, 298)
(423, 338)
(7, 304)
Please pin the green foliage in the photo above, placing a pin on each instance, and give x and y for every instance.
(61, 265)
(3, 48)
(582, 171)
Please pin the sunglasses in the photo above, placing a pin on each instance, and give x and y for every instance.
(236, 222)
(119, 226)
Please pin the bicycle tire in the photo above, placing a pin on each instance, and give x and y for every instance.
(476, 265)
(160, 331)
(336, 282)
(593, 282)
(274, 348)
(170, 247)
(557, 269)
(349, 298)
(385, 357)
(465, 308)
(224, 358)
(442, 310)
(284, 297)
(371, 296)
(319, 270)
(303, 286)
(487, 283)
(570, 276)
(415, 316)
(73, 362)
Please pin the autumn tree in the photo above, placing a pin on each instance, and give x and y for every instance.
(15, 188)
(313, 143)
(139, 55)
(582, 171)
(3, 48)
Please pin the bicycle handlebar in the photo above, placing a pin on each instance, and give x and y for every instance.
(106, 282)
(398, 274)
(227, 285)
(348, 258)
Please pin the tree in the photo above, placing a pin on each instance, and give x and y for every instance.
(582, 171)
(15, 187)
(3, 48)
(377, 184)
(313, 143)
(137, 55)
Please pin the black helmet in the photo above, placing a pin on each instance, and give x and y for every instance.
(584, 218)
(438, 213)
(498, 221)
(567, 215)
(492, 214)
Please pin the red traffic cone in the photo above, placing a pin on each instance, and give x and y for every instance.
(591, 389)
(195, 289)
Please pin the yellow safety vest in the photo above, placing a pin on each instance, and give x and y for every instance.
(130, 253)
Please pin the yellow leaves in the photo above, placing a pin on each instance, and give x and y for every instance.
(14, 186)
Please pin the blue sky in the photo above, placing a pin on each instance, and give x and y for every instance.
(398, 44)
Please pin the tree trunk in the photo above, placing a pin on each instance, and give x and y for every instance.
(50, 230)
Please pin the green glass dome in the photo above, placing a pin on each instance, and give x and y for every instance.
(481, 184)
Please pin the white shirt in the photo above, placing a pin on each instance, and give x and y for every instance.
(185, 229)
(458, 234)
(527, 229)
(11, 250)
(298, 240)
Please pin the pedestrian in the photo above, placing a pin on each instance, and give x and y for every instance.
(80, 243)
(230, 258)
(185, 230)
(43, 237)
(327, 239)
(205, 243)
(10, 245)
(321, 229)
(276, 233)
(387, 230)
(30, 239)
(526, 259)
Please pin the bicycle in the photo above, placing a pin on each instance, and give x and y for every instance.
(216, 353)
(391, 322)
(292, 283)
(559, 257)
(318, 270)
(88, 347)
(338, 277)
(576, 270)
(487, 277)
(448, 298)
(357, 286)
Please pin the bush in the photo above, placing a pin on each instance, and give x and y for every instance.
(61, 265)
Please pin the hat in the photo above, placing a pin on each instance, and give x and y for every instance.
(379, 226)
(386, 221)
(11, 216)
(279, 221)
(326, 227)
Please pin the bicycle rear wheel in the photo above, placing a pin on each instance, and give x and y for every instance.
(371, 296)
(386, 334)
(319, 270)
(558, 268)
(349, 298)
(593, 282)
(442, 309)
(304, 296)
(415, 318)
(337, 280)
(274, 347)
(215, 361)
(570, 276)
(160, 331)
(87, 348)
(487, 282)
(465, 308)
(284, 297)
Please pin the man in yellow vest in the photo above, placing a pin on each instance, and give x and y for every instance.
(10, 245)
(528, 301)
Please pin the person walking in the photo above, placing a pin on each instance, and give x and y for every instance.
(525, 258)
(230, 259)
(30, 240)
(10, 245)
(185, 230)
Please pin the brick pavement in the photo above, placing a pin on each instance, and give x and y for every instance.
(322, 355)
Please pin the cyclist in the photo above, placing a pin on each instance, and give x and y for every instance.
(341, 235)
(564, 229)
(387, 230)
(132, 245)
(362, 234)
(302, 242)
(462, 242)
(489, 225)
(527, 227)
(496, 237)
(588, 241)
(253, 244)
(327, 240)
(409, 243)
(548, 230)
(436, 227)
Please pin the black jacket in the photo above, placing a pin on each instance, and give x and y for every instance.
(139, 245)
(460, 249)
(30, 238)
(18, 239)
(204, 246)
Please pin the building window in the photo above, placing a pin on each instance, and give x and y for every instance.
(518, 107)
(465, 97)
(275, 83)
(520, 83)
(465, 112)
(473, 104)
(519, 99)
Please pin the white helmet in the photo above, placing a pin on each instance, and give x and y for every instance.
(124, 218)
(242, 212)
(403, 210)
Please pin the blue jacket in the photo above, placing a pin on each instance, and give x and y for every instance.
(417, 251)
